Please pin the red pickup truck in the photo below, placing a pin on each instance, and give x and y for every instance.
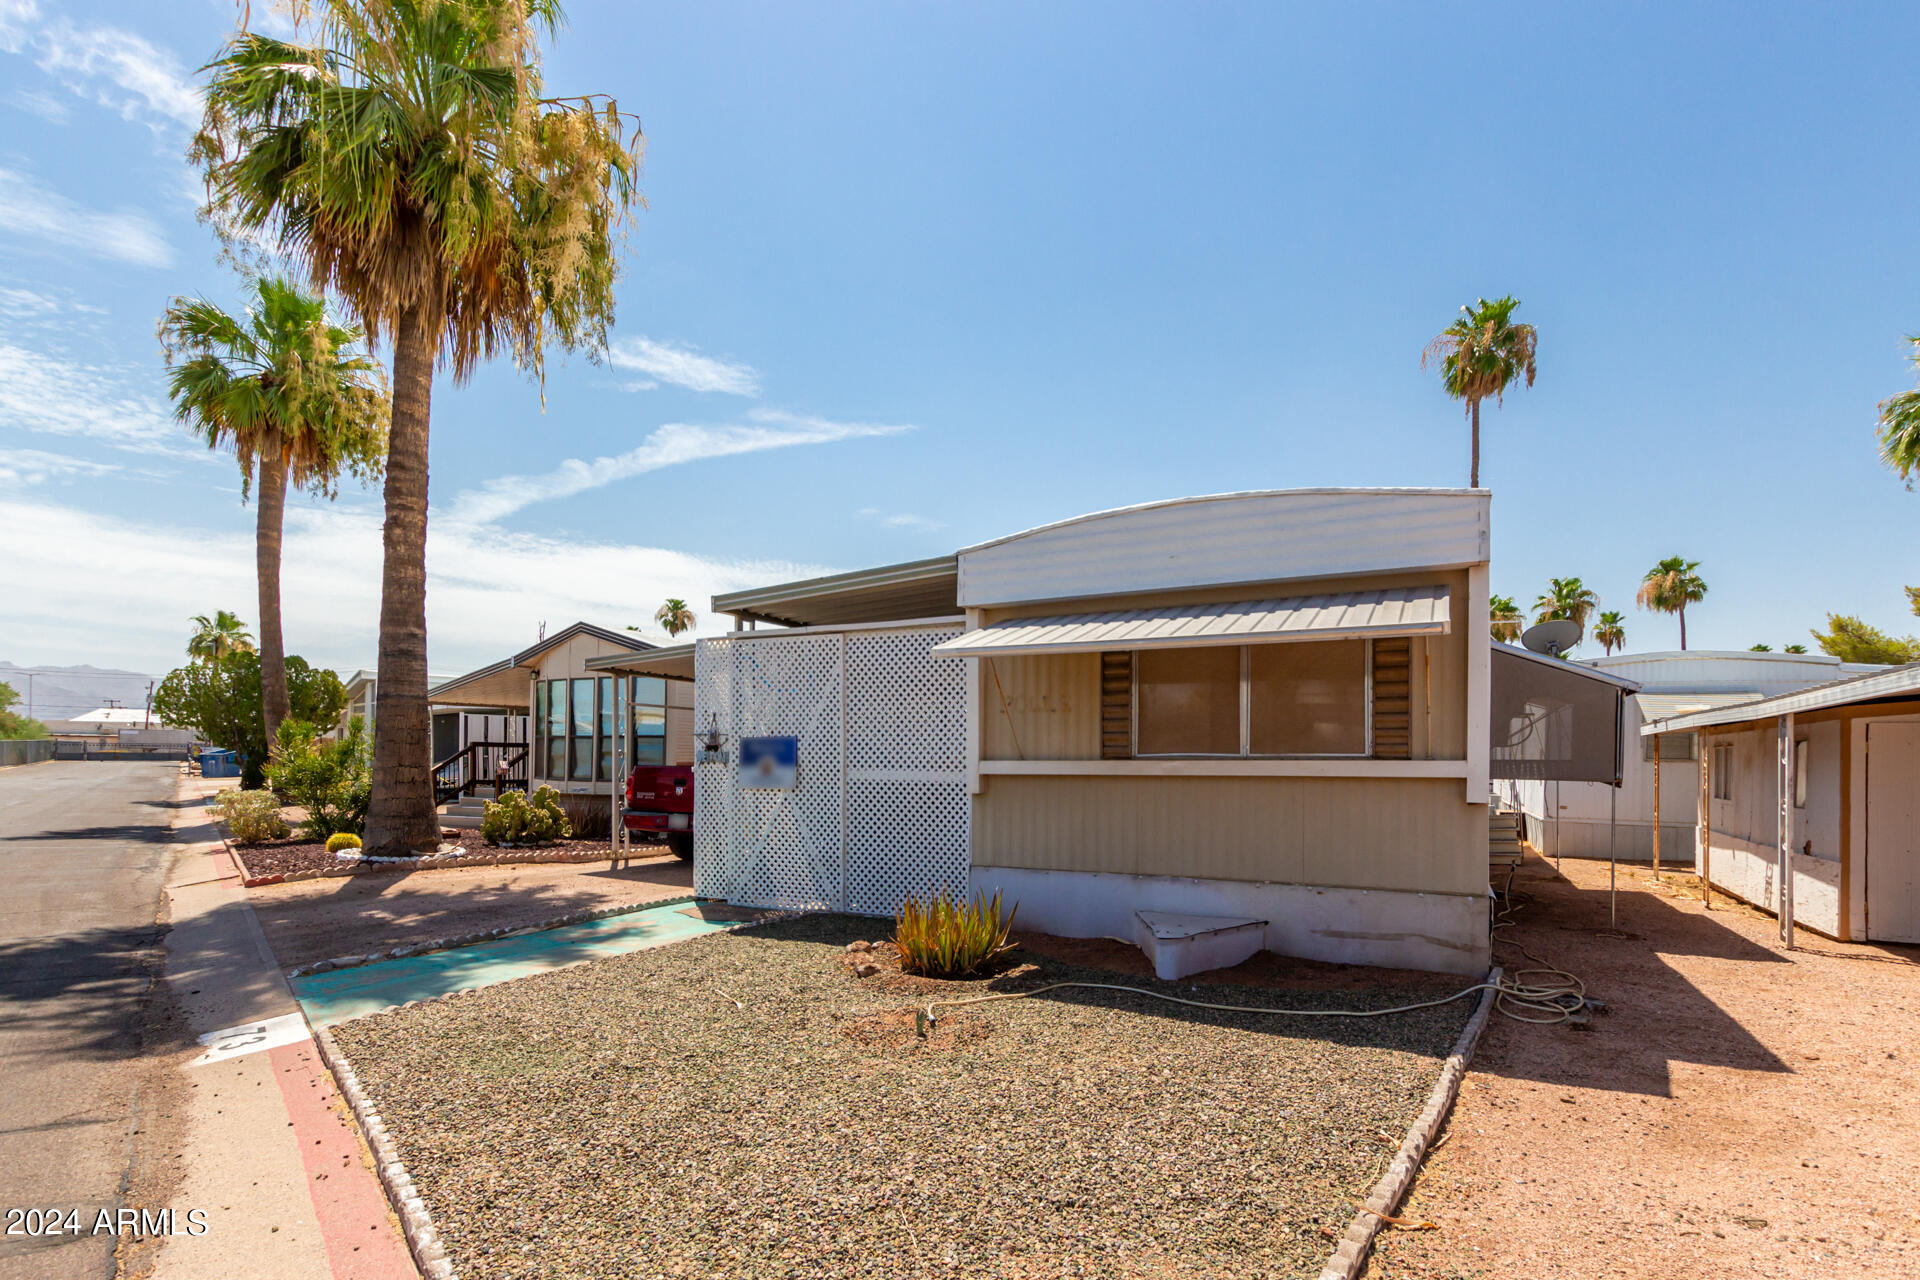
(660, 806)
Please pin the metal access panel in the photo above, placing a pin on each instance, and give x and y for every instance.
(880, 807)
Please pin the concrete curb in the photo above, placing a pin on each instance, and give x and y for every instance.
(485, 935)
(1350, 1258)
(416, 1224)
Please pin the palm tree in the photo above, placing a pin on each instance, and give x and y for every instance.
(674, 616)
(1612, 631)
(1670, 587)
(216, 637)
(285, 391)
(1759, 648)
(1793, 648)
(1504, 618)
(1900, 426)
(1480, 354)
(405, 153)
(1567, 598)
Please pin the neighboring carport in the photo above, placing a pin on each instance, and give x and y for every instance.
(673, 662)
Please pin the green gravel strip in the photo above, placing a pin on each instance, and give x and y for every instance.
(623, 1118)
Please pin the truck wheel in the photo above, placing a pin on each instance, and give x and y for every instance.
(680, 845)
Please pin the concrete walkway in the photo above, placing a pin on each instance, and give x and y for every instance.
(335, 997)
(270, 1157)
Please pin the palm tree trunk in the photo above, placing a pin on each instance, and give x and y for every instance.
(1474, 481)
(401, 818)
(1683, 628)
(271, 517)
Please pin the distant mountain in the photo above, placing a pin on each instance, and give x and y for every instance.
(60, 693)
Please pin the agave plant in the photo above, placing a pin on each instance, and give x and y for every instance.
(950, 937)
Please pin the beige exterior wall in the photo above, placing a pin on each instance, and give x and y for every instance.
(1401, 833)
(1383, 832)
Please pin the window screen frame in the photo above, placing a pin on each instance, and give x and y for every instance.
(1246, 713)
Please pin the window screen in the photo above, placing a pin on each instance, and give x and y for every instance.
(603, 732)
(556, 729)
(1723, 773)
(1188, 702)
(1307, 699)
(1672, 746)
(581, 764)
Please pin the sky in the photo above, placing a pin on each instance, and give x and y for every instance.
(915, 276)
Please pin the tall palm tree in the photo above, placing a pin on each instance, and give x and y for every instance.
(406, 154)
(1900, 426)
(284, 389)
(1504, 618)
(674, 616)
(1670, 587)
(1567, 598)
(216, 637)
(1480, 354)
(1612, 631)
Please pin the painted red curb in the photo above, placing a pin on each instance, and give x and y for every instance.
(363, 1241)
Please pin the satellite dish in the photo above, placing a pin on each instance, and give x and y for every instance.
(1552, 638)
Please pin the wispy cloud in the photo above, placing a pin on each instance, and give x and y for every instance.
(34, 466)
(44, 105)
(104, 64)
(47, 394)
(127, 235)
(681, 366)
(115, 590)
(670, 445)
(901, 520)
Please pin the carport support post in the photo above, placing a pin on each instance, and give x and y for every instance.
(1613, 850)
(1705, 837)
(1656, 808)
(1785, 829)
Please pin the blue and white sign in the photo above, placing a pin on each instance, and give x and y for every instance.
(769, 763)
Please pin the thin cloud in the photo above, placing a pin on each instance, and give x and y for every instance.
(670, 445)
(28, 209)
(902, 520)
(44, 105)
(118, 591)
(35, 466)
(58, 397)
(104, 64)
(681, 366)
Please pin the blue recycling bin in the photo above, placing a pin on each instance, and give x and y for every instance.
(219, 764)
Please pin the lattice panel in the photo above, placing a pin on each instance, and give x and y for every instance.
(905, 838)
(906, 709)
(713, 791)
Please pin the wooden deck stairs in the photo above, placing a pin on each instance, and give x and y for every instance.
(1504, 829)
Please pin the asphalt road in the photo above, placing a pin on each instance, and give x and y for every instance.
(84, 849)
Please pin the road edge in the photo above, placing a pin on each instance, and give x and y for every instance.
(1350, 1258)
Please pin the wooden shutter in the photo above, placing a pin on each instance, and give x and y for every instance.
(1116, 706)
(1393, 699)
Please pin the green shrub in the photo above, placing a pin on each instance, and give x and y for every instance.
(342, 840)
(252, 816)
(333, 781)
(517, 819)
(949, 937)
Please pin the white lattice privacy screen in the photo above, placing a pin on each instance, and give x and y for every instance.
(880, 809)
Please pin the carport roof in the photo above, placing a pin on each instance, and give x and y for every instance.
(890, 593)
(671, 662)
(1900, 682)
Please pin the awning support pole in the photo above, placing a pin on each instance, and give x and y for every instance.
(1706, 822)
(1656, 808)
(1785, 829)
(1613, 834)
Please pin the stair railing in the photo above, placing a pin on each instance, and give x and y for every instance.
(479, 764)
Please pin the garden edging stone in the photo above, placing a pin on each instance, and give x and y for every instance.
(1350, 1258)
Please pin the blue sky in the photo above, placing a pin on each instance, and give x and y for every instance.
(915, 276)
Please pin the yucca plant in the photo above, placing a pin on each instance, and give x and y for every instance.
(950, 937)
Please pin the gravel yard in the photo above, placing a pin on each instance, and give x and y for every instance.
(1742, 1111)
(277, 857)
(624, 1118)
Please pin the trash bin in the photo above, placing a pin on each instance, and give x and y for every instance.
(218, 764)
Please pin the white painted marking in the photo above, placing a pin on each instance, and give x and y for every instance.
(252, 1037)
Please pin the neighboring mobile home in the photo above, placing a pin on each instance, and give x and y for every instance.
(1816, 791)
(1268, 707)
(1571, 819)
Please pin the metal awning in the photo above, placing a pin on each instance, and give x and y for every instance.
(673, 662)
(1402, 611)
(1660, 706)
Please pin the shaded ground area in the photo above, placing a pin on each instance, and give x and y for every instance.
(739, 1104)
(316, 919)
(84, 848)
(1742, 1111)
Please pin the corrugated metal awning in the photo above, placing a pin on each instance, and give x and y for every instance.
(1403, 611)
(1659, 706)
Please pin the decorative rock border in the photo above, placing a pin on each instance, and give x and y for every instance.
(1351, 1256)
(485, 935)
